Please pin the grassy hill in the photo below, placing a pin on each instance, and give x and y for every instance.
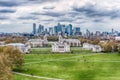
(81, 65)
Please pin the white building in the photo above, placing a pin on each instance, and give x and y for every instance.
(94, 48)
(38, 42)
(73, 42)
(87, 46)
(97, 48)
(2, 43)
(22, 47)
(117, 38)
(60, 46)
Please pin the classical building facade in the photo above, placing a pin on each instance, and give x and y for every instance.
(73, 42)
(39, 42)
(60, 46)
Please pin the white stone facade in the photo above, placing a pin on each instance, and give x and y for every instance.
(94, 48)
(38, 42)
(97, 48)
(73, 42)
(60, 47)
(87, 46)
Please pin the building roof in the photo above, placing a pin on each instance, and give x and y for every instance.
(15, 44)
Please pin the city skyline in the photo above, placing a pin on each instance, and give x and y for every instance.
(95, 15)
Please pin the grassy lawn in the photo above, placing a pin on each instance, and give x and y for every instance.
(83, 66)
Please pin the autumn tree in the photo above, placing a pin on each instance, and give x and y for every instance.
(96, 41)
(5, 68)
(10, 58)
(52, 38)
(108, 46)
(16, 56)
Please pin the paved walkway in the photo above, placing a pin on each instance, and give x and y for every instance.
(61, 59)
(40, 77)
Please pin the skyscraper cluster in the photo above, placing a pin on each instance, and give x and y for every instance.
(39, 30)
(59, 29)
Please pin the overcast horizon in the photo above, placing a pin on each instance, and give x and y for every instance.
(95, 15)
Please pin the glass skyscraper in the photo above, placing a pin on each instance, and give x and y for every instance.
(34, 28)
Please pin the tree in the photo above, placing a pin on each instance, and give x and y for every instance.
(96, 41)
(52, 38)
(108, 46)
(5, 68)
(118, 48)
(10, 58)
(14, 55)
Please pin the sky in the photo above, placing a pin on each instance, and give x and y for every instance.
(95, 15)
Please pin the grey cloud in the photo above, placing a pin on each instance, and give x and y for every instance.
(14, 3)
(91, 11)
(98, 20)
(7, 11)
(4, 18)
(48, 7)
(49, 13)
(48, 20)
(41, 1)
(27, 18)
(8, 3)
(65, 20)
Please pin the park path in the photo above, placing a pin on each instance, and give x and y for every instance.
(63, 58)
(40, 77)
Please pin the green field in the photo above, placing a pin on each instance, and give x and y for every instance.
(79, 65)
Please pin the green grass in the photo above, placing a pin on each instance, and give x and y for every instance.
(74, 50)
(72, 66)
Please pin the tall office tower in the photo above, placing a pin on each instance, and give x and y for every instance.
(55, 30)
(59, 28)
(41, 29)
(76, 31)
(97, 33)
(46, 31)
(63, 30)
(34, 28)
(112, 30)
(51, 32)
(69, 29)
(87, 33)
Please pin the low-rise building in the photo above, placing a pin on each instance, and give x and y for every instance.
(60, 46)
(39, 42)
(94, 48)
(73, 42)
(97, 48)
(117, 38)
(22, 47)
(87, 46)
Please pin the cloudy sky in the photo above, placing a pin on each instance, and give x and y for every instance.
(95, 15)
